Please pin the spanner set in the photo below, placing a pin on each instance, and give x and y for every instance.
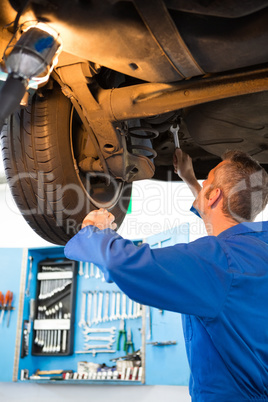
(104, 307)
(54, 310)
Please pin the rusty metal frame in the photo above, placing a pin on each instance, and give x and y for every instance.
(150, 99)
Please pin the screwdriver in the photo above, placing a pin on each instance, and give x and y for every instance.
(2, 306)
(8, 302)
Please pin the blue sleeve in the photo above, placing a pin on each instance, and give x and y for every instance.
(187, 278)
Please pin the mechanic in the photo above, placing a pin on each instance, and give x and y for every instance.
(219, 282)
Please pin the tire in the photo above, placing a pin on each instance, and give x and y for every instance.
(49, 189)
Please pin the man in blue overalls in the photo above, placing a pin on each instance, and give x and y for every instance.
(219, 282)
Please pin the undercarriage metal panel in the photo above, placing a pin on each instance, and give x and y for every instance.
(118, 35)
(236, 123)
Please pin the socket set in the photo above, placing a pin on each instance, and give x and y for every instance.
(54, 308)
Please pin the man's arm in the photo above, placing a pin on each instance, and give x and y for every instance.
(183, 166)
(187, 278)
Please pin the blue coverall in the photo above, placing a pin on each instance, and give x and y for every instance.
(219, 284)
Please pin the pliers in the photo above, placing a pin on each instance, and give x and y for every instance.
(129, 343)
(122, 333)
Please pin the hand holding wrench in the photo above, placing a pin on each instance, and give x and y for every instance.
(175, 130)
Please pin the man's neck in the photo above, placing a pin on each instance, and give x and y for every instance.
(217, 224)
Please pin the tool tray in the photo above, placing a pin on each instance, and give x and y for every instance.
(53, 326)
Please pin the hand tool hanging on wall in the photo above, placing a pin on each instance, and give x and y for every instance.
(129, 343)
(6, 303)
(27, 292)
(2, 298)
(122, 333)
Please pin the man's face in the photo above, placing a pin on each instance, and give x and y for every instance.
(201, 201)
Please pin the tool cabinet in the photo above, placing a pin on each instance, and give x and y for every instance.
(92, 317)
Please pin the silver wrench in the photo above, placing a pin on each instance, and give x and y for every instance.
(110, 330)
(103, 346)
(99, 318)
(27, 292)
(109, 339)
(130, 304)
(95, 301)
(124, 307)
(118, 305)
(98, 275)
(106, 311)
(86, 273)
(94, 352)
(82, 322)
(89, 303)
(175, 130)
(81, 272)
(91, 274)
(112, 315)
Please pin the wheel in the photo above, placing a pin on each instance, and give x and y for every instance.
(40, 146)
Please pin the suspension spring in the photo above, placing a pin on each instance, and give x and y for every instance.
(148, 133)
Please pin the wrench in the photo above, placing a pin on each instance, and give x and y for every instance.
(27, 292)
(64, 335)
(82, 322)
(130, 304)
(109, 339)
(175, 129)
(98, 275)
(89, 303)
(106, 316)
(124, 307)
(118, 305)
(88, 347)
(95, 300)
(86, 274)
(88, 330)
(99, 318)
(134, 315)
(112, 315)
(94, 352)
(59, 331)
(91, 270)
(139, 310)
(81, 272)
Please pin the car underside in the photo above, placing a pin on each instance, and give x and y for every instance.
(130, 73)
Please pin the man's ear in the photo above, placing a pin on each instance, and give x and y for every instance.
(214, 196)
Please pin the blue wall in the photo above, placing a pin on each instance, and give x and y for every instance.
(10, 272)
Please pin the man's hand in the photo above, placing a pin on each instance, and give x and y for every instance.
(183, 166)
(100, 218)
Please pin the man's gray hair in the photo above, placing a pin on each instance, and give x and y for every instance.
(244, 184)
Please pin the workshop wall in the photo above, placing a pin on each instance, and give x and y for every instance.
(10, 268)
(165, 345)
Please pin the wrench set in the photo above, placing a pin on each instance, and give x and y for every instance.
(54, 308)
(104, 306)
(90, 271)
